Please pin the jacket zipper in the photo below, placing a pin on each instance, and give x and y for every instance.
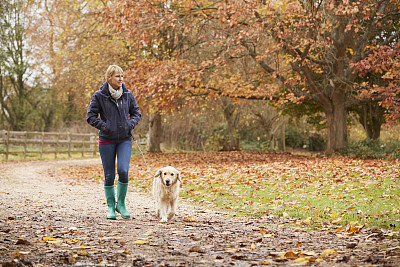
(119, 111)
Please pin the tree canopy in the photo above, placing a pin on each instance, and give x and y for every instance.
(329, 56)
(283, 50)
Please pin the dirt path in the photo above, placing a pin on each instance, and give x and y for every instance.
(53, 221)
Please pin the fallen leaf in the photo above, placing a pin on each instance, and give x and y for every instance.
(71, 260)
(140, 242)
(22, 242)
(338, 220)
(307, 221)
(232, 250)
(48, 238)
(351, 245)
(289, 255)
(328, 252)
(197, 249)
(309, 253)
(56, 243)
(341, 229)
(302, 260)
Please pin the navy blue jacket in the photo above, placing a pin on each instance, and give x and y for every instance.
(116, 119)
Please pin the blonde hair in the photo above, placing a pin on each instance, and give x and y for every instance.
(111, 70)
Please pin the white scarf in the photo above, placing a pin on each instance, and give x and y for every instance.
(116, 94)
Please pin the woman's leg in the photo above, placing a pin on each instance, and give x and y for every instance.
(107, 154)
(124, 151)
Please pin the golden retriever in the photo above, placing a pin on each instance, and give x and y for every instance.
(166, 185)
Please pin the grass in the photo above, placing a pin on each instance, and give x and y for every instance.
(321, 192)
(340, 194)
(367, 200)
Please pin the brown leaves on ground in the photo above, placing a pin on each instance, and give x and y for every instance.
(254, 165)
(197, 236)
(323, 191)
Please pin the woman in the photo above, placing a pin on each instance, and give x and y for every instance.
(119, 114)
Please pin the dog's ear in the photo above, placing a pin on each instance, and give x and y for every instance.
(158, 173)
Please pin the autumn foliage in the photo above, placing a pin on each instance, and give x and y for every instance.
(326, 59)
(281, 50)
(383, 62)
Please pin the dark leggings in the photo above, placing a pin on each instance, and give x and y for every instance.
(120, 151)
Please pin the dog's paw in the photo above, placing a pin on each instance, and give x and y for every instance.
(163, 220)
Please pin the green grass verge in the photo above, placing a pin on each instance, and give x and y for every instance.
(370, 201)
(340, 194)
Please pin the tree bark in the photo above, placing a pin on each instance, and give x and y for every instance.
(336, 114)
(155, 132)
(371, 118)
(229, 109)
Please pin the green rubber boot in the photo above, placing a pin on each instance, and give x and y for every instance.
(122, 189)
(110, 197)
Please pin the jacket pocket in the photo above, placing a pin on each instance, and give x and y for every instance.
(108, 130)
(105, 128)
(124, 130)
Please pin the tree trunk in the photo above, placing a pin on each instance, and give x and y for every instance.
(229, 109)
(155, 132)
(371, 118)
(336, 115)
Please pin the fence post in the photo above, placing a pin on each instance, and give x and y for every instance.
(7, 133)
(21, 142)
(25, 139)
(93, 146)
(56, 148)
(69, 145)
(41, 145)
(83, 146)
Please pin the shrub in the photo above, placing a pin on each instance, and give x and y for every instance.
(372, 149)
(316, 142)
(293, 137)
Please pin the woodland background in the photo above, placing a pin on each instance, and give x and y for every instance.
(211, 75)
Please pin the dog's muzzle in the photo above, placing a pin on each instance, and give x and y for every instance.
(167, 182)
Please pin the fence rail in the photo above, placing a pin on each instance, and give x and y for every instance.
(13, 142)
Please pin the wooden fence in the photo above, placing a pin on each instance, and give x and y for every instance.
(13, 142)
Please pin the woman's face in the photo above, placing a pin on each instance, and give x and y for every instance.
(116, 80)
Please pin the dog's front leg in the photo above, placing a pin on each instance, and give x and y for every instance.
(163, 211)
(157, 208)
(172, 211)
